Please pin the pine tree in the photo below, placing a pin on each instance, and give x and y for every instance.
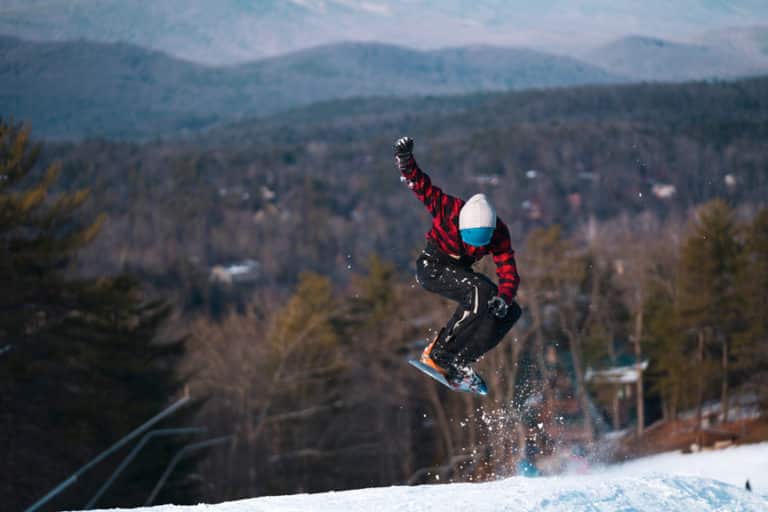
(671, 365)
(83, 364)
(710, 304)
(306, 365)
(751, 345)
(38, 236)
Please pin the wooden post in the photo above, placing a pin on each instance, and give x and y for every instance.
(639, 365)
(724, 385)
(700, 385)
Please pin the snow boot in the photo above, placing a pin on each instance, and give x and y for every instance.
(428, 360)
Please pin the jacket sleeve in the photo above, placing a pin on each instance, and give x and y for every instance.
(433, 197)
(506, 268)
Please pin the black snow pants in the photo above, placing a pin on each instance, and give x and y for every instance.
(473, 330)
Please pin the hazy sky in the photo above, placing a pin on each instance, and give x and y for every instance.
(226, 31)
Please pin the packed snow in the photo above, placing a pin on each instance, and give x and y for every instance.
(733, 466)
(669, 482)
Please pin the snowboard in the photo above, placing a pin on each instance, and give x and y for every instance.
(477, 386)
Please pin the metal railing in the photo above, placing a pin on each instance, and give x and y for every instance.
(179, 455)
(129, 458)
(103, 455)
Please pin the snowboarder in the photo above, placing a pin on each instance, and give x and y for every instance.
(461, 234)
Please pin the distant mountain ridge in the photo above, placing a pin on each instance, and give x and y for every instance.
(237, 31)
(751, 41)
(79, 88)
(733, 53)
(76, 89)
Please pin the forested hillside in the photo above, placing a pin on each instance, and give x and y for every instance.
(319, 184)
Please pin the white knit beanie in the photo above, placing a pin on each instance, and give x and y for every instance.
(477, 212)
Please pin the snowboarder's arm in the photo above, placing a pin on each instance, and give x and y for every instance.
(504, 257)
(433, 197)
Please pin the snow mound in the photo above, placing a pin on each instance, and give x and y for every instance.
(733, 466)
(592, 493)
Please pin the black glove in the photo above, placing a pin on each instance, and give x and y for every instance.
(498, 307)
(404, 153)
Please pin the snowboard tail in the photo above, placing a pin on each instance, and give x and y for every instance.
(477, 386)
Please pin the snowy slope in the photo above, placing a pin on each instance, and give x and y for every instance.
(732, 466)
(569, 494)
(659, 483)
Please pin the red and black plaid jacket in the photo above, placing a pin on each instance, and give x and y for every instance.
(445, 231)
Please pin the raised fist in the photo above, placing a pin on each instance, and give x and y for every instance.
(404, 147)
(404, 153)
